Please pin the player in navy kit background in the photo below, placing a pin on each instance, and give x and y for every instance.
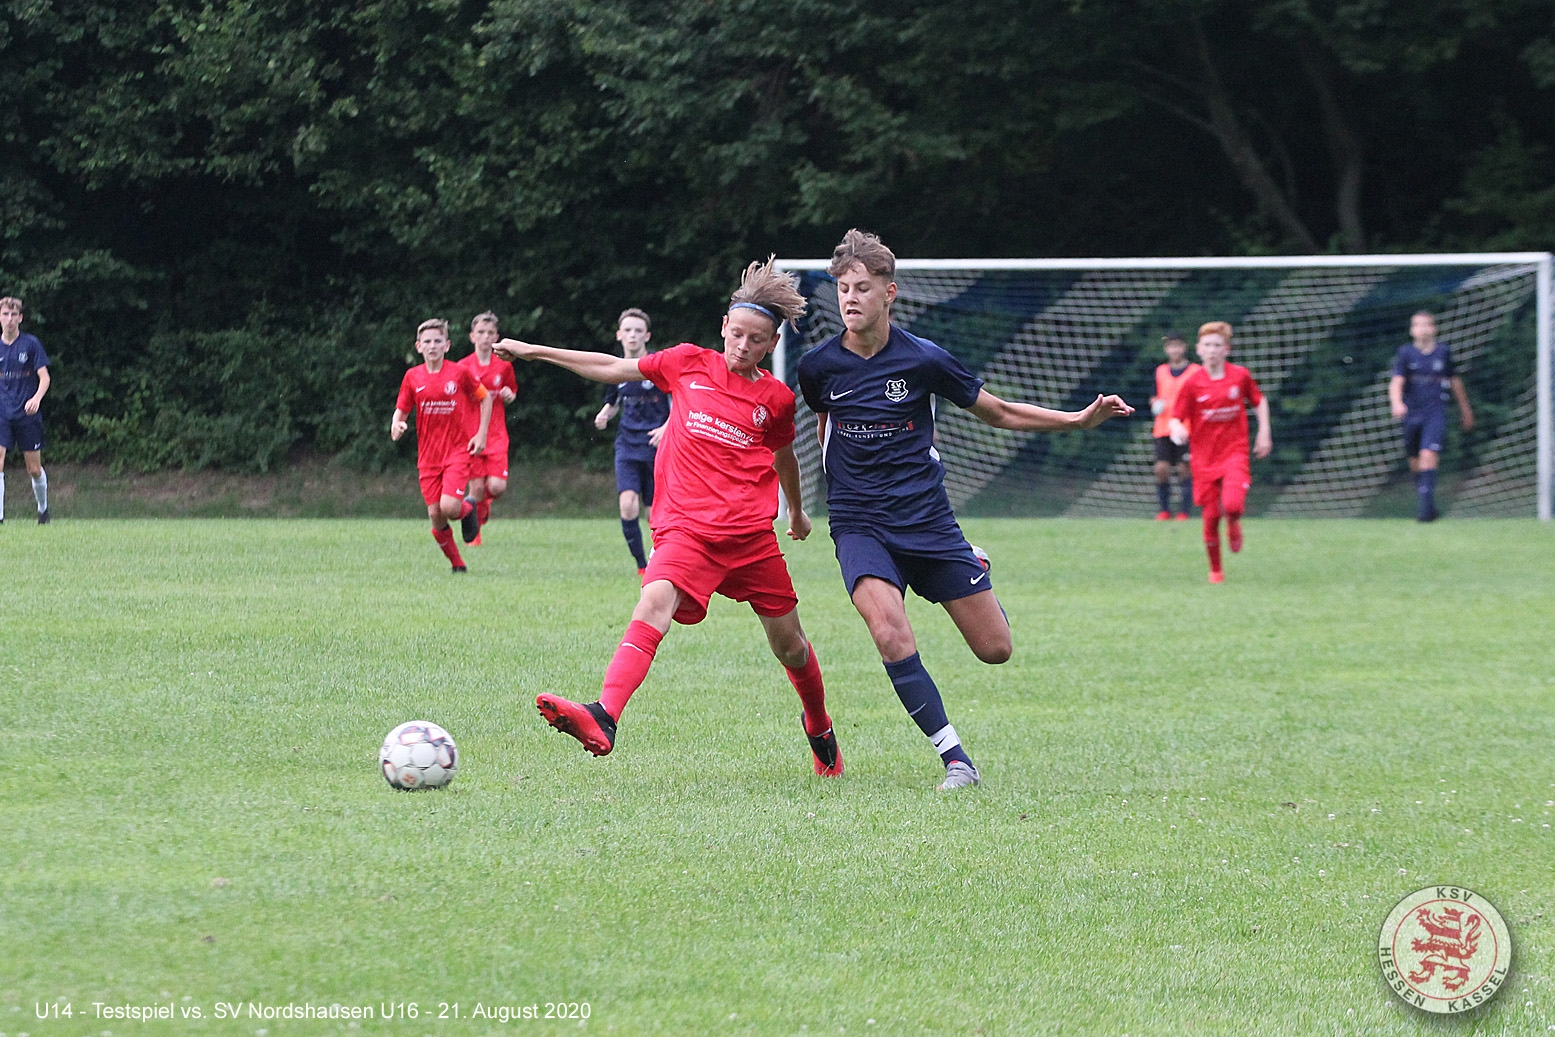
(644, 412)
(1423, 376)
(24, 379)
(872, 388)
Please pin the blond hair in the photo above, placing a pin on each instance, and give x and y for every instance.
(14, 301)
(481, 318)
(428, 325)
(865, 249)
(1216, 327)
(766, 288)
(632, 311)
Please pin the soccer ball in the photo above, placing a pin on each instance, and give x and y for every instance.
(418, 755)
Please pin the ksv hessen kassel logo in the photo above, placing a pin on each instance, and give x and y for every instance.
(449, 388)
(759, 415)
(1445, 949)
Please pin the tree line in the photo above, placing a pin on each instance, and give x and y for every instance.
(227, 216)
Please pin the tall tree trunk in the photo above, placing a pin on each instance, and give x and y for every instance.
(1344, 146)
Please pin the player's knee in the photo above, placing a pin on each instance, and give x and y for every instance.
(495, 488)
(630, 507)
(995, 651)
(792, 652)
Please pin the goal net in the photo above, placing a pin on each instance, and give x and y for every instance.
(1318, 333)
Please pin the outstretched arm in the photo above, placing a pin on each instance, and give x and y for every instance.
(596, 367)
(1265, 441)
(787, 466)
(1026, 417)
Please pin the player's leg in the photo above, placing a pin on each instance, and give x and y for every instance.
(1233, 498)
(5, 445)
(457, 506)
(983, 624)
(1163, 485)
(1207, 497)
(788, 642)
(30, 441)
(1185, 481)
(475, 494)
(1433, 430)
(446, 507)
(629, 495)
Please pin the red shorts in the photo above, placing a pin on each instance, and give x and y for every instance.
(446, 480)
(493, 464)
(745, 568)
(1224, 489)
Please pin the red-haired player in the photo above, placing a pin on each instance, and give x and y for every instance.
(1212, 406)
(489, 468)
(452, 413)
(726, 449)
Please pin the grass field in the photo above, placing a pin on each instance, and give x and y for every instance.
(1199, 802)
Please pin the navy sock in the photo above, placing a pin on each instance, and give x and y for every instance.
(1425, 486)
(1187, 495)
(1163, 494)
(634, 541)
(921, 698)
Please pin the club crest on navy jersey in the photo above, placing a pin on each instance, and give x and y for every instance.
(22, 357)
(896, 389)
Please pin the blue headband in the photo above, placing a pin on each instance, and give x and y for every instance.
(759, 309)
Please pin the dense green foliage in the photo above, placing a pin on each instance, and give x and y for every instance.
(1199, 802)
(227, 217)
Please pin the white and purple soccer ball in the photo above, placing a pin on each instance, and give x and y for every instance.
(418, 755)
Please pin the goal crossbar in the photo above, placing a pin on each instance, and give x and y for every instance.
(1540, 264)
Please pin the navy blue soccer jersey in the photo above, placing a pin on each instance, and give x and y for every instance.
(643, 408)
(881, 466)
(19, 363)
(1427, 378)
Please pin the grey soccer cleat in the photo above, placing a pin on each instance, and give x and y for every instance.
(959, 775)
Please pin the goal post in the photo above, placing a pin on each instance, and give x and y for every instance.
(1318, 333)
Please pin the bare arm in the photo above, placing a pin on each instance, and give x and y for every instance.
(397, 424)
(1459, 393)
(478, 444)
(596, 367)
(606, 412)
(787, 466)
(31, 406)
(1265, 441)
(1026, 417)
(1396, 397)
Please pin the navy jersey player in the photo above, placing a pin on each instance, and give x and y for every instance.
(872, 388)
(24, 379)
(1423, 377)
(644, 410)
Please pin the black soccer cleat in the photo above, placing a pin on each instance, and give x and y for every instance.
(461, 569)
(43, 517)
(470, 525)
(587, 722)
(827, 756)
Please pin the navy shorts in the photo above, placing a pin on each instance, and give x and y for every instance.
(1171, 453)
(1427, 432)
(936, 572)
(635, 475)
(23, 433)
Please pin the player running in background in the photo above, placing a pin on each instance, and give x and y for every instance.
(728, 447)
(871, 388)
(452, 414)
(24, 379)
(1169, 455)
(1212, 407)
(489, 468)
(644, 411)
(1423, 375)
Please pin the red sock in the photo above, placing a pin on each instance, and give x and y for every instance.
(445, 540)
(629, 666)
(469, 506)
(483, 509)
(812, 692)
(1212, 539)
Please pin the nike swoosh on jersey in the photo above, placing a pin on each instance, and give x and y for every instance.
(709, 388)
(420, 387)
(840, 395)
(974, 581)
(1203, 399)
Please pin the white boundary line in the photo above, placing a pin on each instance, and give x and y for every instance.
(1545, 315)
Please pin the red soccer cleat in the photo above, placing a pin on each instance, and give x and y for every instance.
(1182, 516)
(477, 541)
(824, 752)
(1162, 516)
(1217, 576)
(1234, 534)
(588, 723)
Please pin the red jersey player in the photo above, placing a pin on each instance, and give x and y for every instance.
(1212, 406)
(489, 469)
(452, 413)
(726, 449)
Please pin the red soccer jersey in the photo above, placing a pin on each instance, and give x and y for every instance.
(1215, 410)
(447, 406)
(494, 377)
(714, 474)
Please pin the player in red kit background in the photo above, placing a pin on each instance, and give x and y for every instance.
(489, 468)
(452, 414)
(726, 449)
(1211, 407)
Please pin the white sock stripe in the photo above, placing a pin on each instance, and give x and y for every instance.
(40, 490)
(945, 738)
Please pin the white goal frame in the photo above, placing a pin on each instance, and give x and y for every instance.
(1545, 320)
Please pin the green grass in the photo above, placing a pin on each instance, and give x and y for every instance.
(1199, 802)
